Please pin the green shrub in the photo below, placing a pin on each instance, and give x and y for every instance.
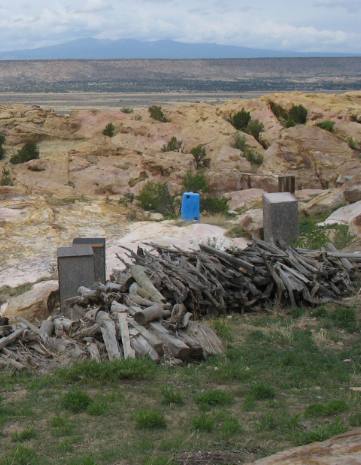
(170, 396)
(254, 157)
(254, 128)
(261, 391)
(280, 113)
(109, 130)
(195, 182)
(6, 179)
(215, 204)
(150, 419)
(203, 423)
(174, 145)
(327, 125)
(156, 113)
(155, 196)
(28, 152)
(240, 119)
(353, 144)
(240, 142)
(127, 110)
(298, 114)
(2, 151)
(214, 398)
(333, 407)
(200, 157)
(314, 236)
(236, 231)
(76, 401)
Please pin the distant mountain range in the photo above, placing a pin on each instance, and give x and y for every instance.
(90, 48)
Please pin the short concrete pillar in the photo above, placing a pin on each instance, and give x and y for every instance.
(280, 217)
(98, 246)
(287, 184)
(75, 269)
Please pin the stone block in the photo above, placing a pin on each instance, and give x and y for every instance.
(98, 246)
(75, 269)
(280, 217)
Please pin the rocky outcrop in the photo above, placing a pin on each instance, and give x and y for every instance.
(35, 304)
(340, 450)
(350, 215)
(325, 202)
(244, 199)
(353, 193)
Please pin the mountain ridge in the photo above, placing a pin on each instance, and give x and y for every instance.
(98, 49)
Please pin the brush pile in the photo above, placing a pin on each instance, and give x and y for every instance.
(153, 308)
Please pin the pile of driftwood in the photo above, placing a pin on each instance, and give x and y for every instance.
(153, 308)
(212, 282)
(110, 321)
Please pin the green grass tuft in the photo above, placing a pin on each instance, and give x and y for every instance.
(24, 435)
(20, 456)
(76, 401)
(321, 433)
(129, 369)
(261, 391)
(203, 423)
(171, 396)
(214, 398)
(333, 407)
(150, 419)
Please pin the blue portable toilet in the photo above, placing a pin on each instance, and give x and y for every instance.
(191, 206)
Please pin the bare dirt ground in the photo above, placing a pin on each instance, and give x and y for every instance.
(63, 102)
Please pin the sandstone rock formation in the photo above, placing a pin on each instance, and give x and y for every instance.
(340, 450)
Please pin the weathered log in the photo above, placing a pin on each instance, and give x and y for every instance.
(5, 341)
(124, 333)
(107, 328)
(153, 340)
(138, 273)
(207, 338)
(155, 312)
(177, 347)
(93, 350)
(142, 347)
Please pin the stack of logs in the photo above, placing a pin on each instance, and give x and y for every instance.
(212, 282)
(154, 306)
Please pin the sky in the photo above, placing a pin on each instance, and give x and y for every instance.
(298, 25)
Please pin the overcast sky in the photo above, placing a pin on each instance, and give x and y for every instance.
(301, 25)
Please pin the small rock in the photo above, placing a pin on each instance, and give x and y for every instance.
(36, 165)
(353, 194)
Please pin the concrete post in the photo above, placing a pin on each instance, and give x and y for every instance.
(98, 246)
(75, 269)
(280, 217)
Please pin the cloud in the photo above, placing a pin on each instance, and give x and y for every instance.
(262, 24)
(351, 6)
